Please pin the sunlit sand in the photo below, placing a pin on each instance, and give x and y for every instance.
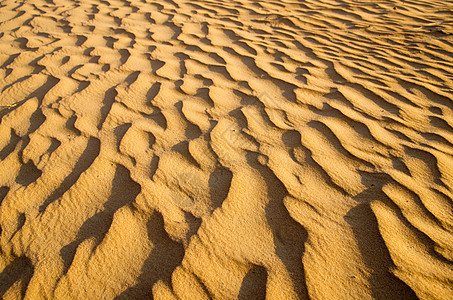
(244, 149)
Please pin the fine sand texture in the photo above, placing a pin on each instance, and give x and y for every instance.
(206, 149)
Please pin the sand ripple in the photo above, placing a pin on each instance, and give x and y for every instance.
(226, 149)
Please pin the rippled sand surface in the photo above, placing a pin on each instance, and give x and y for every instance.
(242, 149)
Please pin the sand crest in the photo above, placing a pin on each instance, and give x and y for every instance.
(243, 149)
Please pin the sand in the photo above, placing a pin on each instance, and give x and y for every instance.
(242, 149)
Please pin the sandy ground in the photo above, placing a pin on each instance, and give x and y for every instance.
(226, 149)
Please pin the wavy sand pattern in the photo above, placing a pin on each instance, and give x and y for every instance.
(226, 149)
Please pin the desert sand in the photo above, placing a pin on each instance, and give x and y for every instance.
(242, 149)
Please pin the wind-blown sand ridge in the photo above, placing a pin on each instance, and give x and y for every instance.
(226, 149)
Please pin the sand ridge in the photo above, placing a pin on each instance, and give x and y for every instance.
(226, 149)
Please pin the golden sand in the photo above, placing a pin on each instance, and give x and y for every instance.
(242, 149)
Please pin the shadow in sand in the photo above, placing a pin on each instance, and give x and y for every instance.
(83, 163)
(383, 284)
(124, 191)
(254, 284)
(161, 262)
(28, 174)
(219, 185)
(289, 235)
(20, 269)
(3, 192)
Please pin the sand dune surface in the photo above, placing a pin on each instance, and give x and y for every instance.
(182, 149)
